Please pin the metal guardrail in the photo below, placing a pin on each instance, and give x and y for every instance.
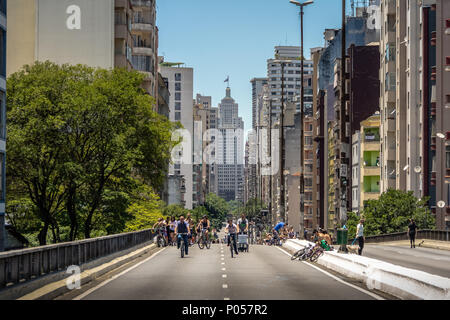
(441, 235)
(23, 265)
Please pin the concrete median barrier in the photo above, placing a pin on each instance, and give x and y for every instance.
(398, 281)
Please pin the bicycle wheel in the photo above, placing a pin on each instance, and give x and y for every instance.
(182, 249)
(201, 245)
(208, 244)
(298, 254)
(316, 255)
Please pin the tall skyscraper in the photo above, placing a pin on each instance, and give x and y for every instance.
(291, 77)
(230, 150)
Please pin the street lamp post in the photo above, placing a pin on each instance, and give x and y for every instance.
(282, 208)
(302, 119)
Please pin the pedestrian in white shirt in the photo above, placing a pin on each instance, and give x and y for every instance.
(360, 235)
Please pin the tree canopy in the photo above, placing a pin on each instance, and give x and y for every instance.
(80, 140)
(391, 213)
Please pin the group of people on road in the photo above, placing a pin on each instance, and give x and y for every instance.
(171, 234)
(412, 231)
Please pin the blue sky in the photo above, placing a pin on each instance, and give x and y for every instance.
(236, 37)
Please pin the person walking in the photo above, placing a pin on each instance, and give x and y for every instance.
(360, 235)
(412, 230)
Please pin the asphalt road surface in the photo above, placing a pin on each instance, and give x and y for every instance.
(433, 261)
(265, 273)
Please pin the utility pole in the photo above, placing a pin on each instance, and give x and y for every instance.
(302, 133)
(270, 157)
(302, 119)
(343, 188)
(282, 209)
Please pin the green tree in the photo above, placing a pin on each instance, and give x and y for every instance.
(391, 213)
(146, 209)
(175, 210)
(76, 137)
(218, 209)
(198, 212)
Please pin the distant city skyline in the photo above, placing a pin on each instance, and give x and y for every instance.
(235, 39)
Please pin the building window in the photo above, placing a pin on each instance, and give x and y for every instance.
(177, 96)
(177, 116)
(177, 86)
(177, 76)
(447, 151)
(178, 106)
(3, 53)
(2, 115)
(2, 176)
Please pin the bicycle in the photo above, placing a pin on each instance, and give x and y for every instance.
(203, 241)
(182, 243)
(318, 252)
(303, 254)
(232, 242)
(160, 239)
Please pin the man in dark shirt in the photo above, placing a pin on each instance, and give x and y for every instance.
(182, 230)
(412, 230)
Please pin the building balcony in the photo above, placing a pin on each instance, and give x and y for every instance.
(142, 3)
(433, 73)
(371, 146)
(371, 171)
(144, 27)
(371, 195)
(141, 50)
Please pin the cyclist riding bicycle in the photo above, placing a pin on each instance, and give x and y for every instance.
(231, 229)
(191, 227)
(160, 227)
(182, 231)
(204, 226)
(243, 224)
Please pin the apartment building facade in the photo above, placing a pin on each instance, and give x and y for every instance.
(436, 109)
(369, 160)
(180, 83)
(3, 40)
(291, 77)
(145, 43)
(95, 33)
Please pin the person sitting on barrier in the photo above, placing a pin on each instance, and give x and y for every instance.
(327, 238)
(315, 236)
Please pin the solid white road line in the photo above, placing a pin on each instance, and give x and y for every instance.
(226, 299)
(373, 295)
(116, 276)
